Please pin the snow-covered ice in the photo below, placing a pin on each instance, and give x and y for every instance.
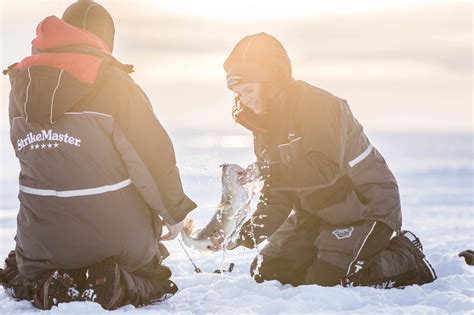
(435, 174)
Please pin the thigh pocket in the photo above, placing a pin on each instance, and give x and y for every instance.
(291, 240)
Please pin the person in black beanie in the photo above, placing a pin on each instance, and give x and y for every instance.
(98, 172)
(92, 17)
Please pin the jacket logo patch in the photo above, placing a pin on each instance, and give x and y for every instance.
(49, 136)
(343, 233)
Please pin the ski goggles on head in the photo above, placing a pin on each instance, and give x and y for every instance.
(241, 72)
(233, 80)
(246, 117)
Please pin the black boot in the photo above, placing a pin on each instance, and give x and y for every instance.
(468, 256)
(63, 286)
(399, 265)
(425, 272)
(102, 284)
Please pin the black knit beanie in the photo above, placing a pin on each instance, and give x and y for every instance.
(93, 18)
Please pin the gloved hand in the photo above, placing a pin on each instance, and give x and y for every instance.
(251, 173)
(468, 256)
(217, 240)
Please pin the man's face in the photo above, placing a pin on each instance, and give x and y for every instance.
(250, 95)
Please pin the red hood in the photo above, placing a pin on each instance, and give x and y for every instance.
(83, 67)
(53, 32)
(60, 71)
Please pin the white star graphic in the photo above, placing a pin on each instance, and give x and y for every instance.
(37, 146)
(43, 146)
(56, 145)
(32, 147)
(50, 145)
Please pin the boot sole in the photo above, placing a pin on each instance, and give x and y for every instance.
(102, 283)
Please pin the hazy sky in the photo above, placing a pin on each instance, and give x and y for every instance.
(402, 65)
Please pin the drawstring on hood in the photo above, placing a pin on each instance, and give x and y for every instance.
(63, 70)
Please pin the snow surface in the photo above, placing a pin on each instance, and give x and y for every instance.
(435, 174)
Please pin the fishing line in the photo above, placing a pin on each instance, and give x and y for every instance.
(196, 268)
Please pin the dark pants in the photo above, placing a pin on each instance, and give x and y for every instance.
(144, 286)
(148, 284)
(305, 252)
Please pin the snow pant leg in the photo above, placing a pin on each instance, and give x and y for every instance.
(149, 284)
(288, 254)
(323, 273)
(16, 286)
(346, 250)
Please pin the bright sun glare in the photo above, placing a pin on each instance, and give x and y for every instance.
(275, 9)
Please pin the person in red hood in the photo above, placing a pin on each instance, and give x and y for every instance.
(330, 205)
(98, 172)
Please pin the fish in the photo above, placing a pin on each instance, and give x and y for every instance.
(238, 189)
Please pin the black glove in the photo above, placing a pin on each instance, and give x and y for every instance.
(468, 256)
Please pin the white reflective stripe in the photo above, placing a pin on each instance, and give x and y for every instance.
(87, 112)
(360, 249)
(425, 261)
(361, 157)
(76, 193)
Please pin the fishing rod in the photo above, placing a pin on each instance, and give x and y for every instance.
(197, 269)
